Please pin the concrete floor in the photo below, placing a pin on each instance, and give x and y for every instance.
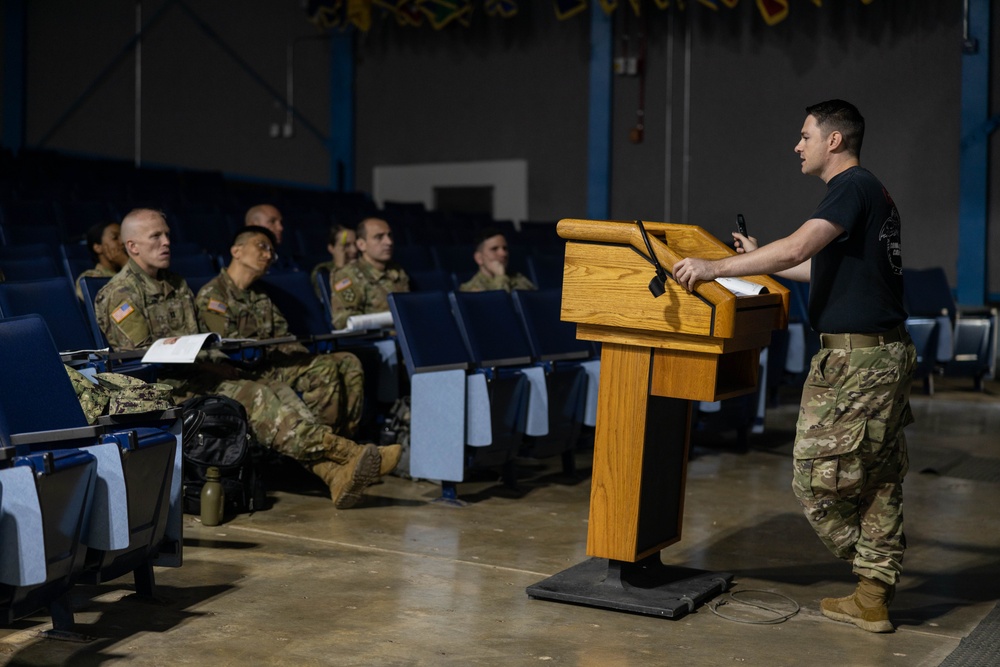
(403, 580)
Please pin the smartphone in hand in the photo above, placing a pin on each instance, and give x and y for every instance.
(741, 227)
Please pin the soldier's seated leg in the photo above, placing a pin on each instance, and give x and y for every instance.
(331, 386)
(279, 419)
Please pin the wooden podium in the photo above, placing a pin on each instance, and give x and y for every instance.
(658, 354)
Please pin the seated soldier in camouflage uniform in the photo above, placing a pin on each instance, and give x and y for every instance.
(145, 302)
(492, 256)
(106, 249)
(343, 250)
(363, 286)
(331, 385)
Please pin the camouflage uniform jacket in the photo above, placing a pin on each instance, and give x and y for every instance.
(133, 309)
(232, 312)
(99, 271)
(484, 283)
(360, 288)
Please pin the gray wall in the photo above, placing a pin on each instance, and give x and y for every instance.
(500, 90)
(200, 108)
(519, 89)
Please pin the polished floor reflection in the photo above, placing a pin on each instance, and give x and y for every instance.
(404, 580)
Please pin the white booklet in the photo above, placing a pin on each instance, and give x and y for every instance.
(381, 320)
(178, 349)
(741, 287)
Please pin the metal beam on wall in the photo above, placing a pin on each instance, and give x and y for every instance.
(599, 118)
(341, 142)
(973, 255)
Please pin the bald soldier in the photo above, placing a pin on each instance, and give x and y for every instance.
(265, 215)
(331, 385)
(145, 302)
(363, 286)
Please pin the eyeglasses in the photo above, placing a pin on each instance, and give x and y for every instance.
(268, 248)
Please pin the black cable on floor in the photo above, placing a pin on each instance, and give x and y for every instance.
(781, 615)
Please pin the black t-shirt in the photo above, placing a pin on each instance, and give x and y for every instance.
(857, 280)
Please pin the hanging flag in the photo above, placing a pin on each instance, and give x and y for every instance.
(327, 13)
(442, 12)
(732, 3)
(407, 12)
(773, 11)
(609, 5)
(568, 8)
(710, 4)
(503, 8)
(636, 6)
(662, 4)
(359, 13)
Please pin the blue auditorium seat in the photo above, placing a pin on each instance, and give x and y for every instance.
(925, 331)
(138, 456)
(293, 294)
(433, 280)
(571, 373)
(45, 503)
(55, 300)
(32, 268)
(460, 419)
(967, 337)
(195, 264)
(90, 286)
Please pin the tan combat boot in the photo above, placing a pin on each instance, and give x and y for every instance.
(348, 476)
(867, 607)
(390, 458)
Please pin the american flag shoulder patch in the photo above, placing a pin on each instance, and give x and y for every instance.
(342, 285)
(217, 306)
(122, 311)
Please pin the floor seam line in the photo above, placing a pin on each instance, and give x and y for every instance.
(385, 550)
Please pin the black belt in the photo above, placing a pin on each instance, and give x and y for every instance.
(848, 341)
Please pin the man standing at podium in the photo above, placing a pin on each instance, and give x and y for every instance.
(850, 451)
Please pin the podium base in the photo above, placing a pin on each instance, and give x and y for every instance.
(644, 587)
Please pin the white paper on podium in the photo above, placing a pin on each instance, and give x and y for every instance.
(178, 349)
(741, 287)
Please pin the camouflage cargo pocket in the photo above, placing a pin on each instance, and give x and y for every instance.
(825, 463)
(841, 437)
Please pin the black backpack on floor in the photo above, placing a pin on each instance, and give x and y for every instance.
(217, 434)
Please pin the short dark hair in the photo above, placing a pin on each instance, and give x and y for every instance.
(243, 234)
(95, 234)
(335, 233)
(485, 235)
(843, 117)
(362, 229)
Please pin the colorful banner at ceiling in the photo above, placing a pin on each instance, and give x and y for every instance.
(441, 13)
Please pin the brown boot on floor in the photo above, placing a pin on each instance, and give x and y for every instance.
(867, 607)
(390, 458)
(347, 481)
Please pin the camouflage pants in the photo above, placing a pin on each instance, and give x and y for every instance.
(278, 417)
(331, 386)
(850, 453)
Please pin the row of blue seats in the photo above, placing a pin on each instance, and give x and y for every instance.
(78, 503)
(950, 341)
(493, 376)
